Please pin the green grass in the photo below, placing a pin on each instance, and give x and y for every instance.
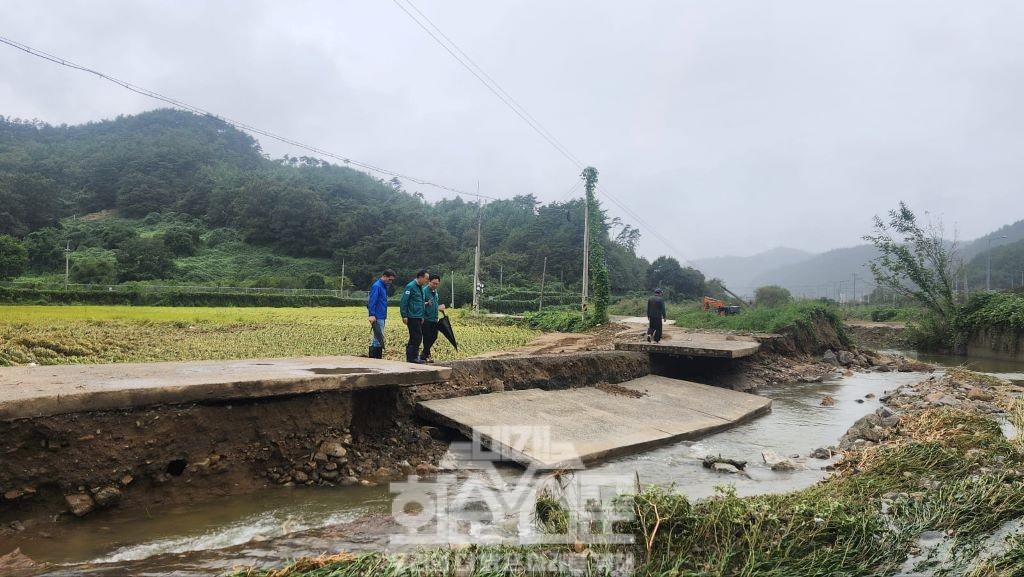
(108, 334)
(756, 319)
(881, 313)
(559, 319)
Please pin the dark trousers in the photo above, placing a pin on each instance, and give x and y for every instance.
(412, 348)
(655, 329)
(429, 337)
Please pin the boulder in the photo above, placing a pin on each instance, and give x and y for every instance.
(80, 504)
(977, 394)
(333, 449)
(846, 358)
(107, 497)
(821, 453)
(777, 462)
(724, 468)
(830, 358)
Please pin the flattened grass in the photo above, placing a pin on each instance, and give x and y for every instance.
(111, 334)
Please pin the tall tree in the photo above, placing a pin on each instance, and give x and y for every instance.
(917, 263)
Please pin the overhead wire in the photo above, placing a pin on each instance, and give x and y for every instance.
(480, 74)
(237, 124)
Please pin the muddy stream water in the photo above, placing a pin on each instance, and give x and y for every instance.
(277, 524)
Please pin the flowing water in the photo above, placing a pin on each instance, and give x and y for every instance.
(282, 523)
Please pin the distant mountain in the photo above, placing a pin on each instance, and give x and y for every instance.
(826, 274)
(1013, 233)
(739, 272)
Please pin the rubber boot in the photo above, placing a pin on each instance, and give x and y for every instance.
(380, 352)
(376, 353)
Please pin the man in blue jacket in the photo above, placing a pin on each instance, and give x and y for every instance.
(413, 310)
(377, 305)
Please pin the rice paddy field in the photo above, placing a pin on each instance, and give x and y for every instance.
(49, 335)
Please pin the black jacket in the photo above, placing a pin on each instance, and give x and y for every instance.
(656, 308)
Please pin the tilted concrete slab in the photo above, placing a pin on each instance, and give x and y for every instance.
(696, 345)
(552, 429)
(51, 390)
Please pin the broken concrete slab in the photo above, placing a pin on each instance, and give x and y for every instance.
(696, 345)
(555, 429)
(27, 392)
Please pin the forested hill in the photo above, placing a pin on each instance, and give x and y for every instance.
(232, 214)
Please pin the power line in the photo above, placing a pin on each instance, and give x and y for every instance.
(477, 71)
(239, 125)
(486, 79)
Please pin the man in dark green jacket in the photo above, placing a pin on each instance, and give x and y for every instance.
(412, 309)
(430, 318)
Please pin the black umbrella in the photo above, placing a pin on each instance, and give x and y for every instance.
(378, 333)
(444, 326)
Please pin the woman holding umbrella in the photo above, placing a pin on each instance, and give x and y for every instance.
(433, 305)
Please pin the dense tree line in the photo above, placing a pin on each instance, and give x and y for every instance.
(201, 183)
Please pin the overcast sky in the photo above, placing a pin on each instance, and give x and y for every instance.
(729, 127)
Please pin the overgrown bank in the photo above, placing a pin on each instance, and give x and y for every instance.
(991, 325)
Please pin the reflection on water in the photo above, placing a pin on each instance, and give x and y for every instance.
(285, 523)
(1009, 370)
(796, 426)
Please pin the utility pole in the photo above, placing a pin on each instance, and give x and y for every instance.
(854, 301)
(476, 264)
(453, 288)
(586, 254)
(342, 278)
(67, 264)
(542, 275)
(501, 276)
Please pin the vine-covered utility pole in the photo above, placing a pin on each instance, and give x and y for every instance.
(593, 255)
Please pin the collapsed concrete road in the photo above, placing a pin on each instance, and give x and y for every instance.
(558, 429)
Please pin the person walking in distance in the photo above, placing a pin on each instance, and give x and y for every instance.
(432, 304)
(656, 314)
(377, 306)
(412, 309)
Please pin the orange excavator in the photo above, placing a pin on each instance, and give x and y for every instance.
(716, 305)
(721, 307)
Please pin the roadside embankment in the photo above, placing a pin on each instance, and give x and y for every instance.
(79, 462)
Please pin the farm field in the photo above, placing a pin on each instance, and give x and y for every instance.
(49, 335)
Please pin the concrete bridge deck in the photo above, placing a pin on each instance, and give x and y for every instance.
(708, 345)
(563, 428)
(27, 392)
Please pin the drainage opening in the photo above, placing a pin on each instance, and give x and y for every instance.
(176, 467)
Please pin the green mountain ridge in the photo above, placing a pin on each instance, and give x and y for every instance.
(238, 217)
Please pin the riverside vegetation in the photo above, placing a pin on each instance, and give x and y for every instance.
(941, 472)
(106, 334)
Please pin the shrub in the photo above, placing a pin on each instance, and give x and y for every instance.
(772, 296)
